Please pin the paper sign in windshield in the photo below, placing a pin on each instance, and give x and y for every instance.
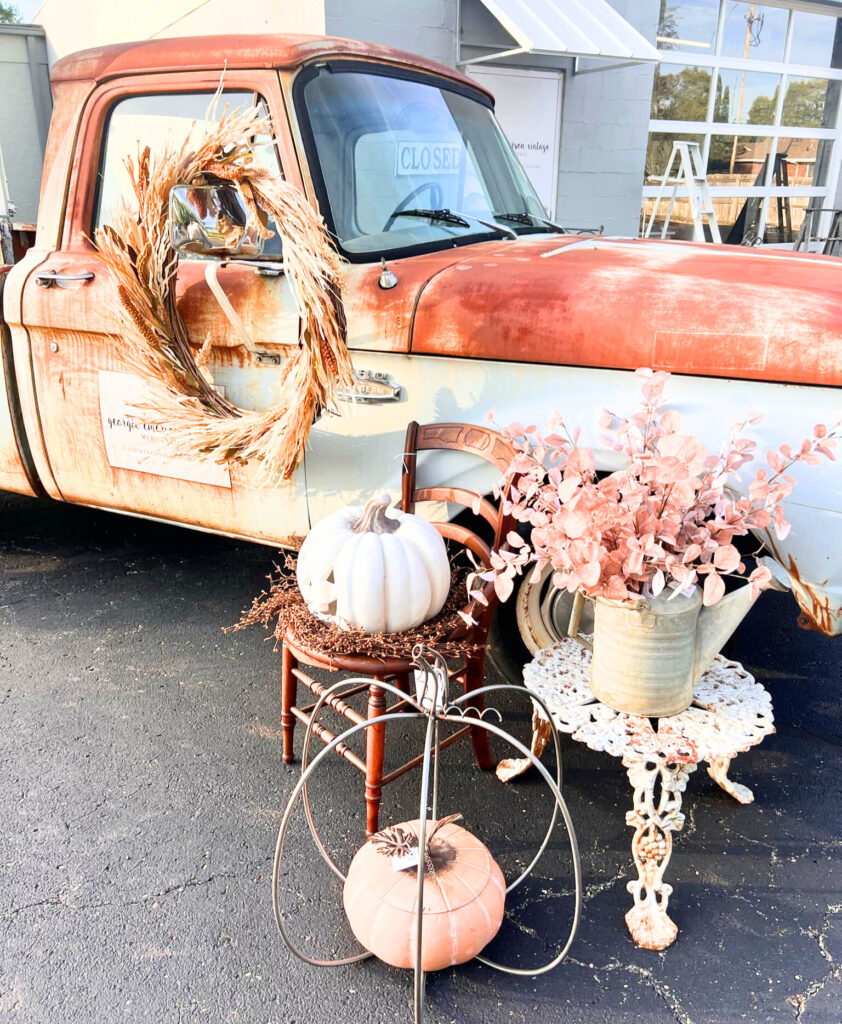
(428, 157)
(132, 442)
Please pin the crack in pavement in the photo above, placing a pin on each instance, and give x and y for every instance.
(61, 900)
(800, 1001)
(533, 933)
(595, 888)
(71, 822)
(589, 892)
(663, 991)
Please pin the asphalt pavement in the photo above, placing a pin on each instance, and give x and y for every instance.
(142, 787)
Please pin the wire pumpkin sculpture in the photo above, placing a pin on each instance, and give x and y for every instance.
(434, 705)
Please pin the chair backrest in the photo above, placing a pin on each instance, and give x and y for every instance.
(486, 444)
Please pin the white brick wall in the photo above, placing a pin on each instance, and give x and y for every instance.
(425, 27)
(604, 129)
(22, 139)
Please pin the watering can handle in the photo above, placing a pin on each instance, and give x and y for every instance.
(576, 619)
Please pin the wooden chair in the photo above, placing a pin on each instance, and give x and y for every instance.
(462, 437)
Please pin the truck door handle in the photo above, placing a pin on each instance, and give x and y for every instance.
(371, 387)
(48, 278)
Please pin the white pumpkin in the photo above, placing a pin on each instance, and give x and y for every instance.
(374, 568)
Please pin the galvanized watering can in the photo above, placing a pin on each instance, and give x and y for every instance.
(648, 656)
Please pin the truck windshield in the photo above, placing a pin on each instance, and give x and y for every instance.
(390, 153)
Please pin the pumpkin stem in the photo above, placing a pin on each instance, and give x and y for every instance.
(440, 824)
(374, 518)
(429, 864)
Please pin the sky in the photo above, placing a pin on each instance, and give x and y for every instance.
(27, 8)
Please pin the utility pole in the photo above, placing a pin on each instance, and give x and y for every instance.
(750, 20)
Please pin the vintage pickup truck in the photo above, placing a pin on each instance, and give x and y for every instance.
(459, 297)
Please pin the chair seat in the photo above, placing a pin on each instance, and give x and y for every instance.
(362, 664)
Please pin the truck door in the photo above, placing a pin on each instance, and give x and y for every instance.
(100, 450)
(17, 471)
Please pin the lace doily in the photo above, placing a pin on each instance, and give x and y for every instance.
(730, 711)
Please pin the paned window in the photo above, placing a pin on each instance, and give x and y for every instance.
(758, 88)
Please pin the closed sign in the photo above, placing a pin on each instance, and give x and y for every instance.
(428, 158)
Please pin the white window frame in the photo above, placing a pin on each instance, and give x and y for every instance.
(708, 127)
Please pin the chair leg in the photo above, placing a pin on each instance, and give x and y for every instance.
(402, 682)
(374, 750)
(289, 685)
(479, 737)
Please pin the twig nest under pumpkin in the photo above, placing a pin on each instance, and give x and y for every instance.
(464, 896)
(375, 568)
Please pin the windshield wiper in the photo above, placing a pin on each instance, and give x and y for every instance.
(462, 220)
(516, 218)
(529, 219)
(447, 216)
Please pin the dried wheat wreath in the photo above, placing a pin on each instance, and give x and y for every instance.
(136, 247)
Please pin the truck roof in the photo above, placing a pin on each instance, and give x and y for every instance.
(198, 53)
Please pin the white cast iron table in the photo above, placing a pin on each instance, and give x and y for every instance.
(730, 713)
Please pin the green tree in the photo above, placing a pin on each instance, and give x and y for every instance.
(676, 96)
(804, 103)
(722, 102)
(667, 25)
(9, 14)
(762, 109)
(680, 96)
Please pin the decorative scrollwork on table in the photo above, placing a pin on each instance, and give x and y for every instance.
(730, 713)
(654, 819)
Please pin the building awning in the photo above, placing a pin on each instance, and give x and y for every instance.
(568, 28)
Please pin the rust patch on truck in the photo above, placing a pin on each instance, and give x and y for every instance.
(264, 304)
(817, 615)
(622, 303)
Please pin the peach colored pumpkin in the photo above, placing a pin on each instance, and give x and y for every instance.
(463, 900)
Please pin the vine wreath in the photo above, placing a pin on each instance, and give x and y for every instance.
(137, 249)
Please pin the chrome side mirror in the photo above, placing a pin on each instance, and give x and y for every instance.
(213, 220)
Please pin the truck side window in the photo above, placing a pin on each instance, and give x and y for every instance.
(152, 119)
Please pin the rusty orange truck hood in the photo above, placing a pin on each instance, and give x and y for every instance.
(623, 303)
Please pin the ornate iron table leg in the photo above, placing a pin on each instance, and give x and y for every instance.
(718, 771)
(654, 819)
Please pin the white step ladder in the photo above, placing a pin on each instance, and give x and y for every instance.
(689, 173)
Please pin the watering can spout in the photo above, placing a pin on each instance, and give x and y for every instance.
(716, 623)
